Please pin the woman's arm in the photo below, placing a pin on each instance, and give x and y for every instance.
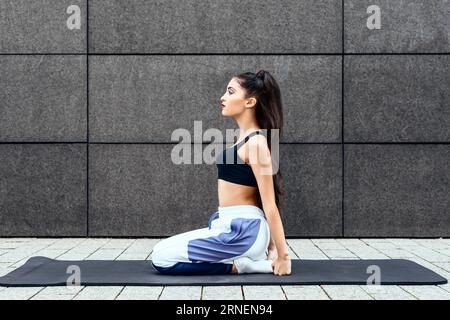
(261, 163)
(278, 239)
(282, 263)
(272, 243)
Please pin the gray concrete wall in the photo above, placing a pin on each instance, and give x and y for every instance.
(86, 115)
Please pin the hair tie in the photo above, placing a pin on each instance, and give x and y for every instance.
(260, 74)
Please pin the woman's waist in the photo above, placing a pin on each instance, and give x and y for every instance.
(240, 210)
(237, 202)
(232, 188)
(237, 197)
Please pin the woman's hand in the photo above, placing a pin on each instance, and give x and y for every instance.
(282, 266)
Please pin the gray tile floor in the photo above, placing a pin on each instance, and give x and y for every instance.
(431, 253)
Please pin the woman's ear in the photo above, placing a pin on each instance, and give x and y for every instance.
(251, 103)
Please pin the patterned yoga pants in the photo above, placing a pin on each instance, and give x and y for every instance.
(232, 232)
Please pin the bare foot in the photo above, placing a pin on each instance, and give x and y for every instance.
(233, 269)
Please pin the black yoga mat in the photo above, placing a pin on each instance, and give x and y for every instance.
(42, 271)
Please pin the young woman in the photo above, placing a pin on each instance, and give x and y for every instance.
(246, 234)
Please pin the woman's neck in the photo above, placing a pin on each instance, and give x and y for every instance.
(247, 123)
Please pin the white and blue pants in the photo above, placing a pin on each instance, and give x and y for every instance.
(232, 232)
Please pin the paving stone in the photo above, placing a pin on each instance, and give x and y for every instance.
(292, 253)
(19, 293)
(105, 254)
(446, 286)
(403, 242)
(346, 292)
(263, 293)
(305, 249)
(350, 241)
(330, 246)
(12, 257)
(4, 271)
(443, 251)
(99, 293)
(371, 255)
(427, 292)
(299, 292)
(53, 297)
(135, 251)
(73, 256)
(313, 256)
(359, 247)
(181, 293)
(5, 264)
(66, 243)
(50, 253)
(327, 240)
(16, 255)
(397, 253)
(142, 245)
(44, 242)
(140, 293)
(382, 245)
(302, 246)
(11, 245)
(308, 251)
(424, 263)
(301, 242)
(443, 265)
(387, 292)
(95, 242)
(222, 293)
(427, 255)
(433, 244)
(118, 244)
(407, 248)
(58, 293)
(81, 252)
(27, 251)
(133, 256)
(376, 240)
(19, 263)
(337, 254)
(365, 249)
(17, 239)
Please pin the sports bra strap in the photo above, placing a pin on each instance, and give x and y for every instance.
(247, 137)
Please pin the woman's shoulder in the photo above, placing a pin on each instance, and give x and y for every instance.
(256, 145)
(258, 140)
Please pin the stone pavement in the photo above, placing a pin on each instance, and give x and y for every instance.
(431, 253)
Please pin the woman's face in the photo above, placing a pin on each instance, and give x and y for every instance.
(233, 101)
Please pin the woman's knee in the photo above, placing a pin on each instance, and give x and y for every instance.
(157, 256)
(160, 248)
(166, 257)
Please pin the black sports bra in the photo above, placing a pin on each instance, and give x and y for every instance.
(232, 168)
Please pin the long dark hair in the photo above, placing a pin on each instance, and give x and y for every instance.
(269, 115)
